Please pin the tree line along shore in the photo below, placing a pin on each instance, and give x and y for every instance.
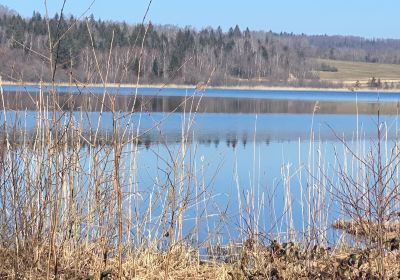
(88, 50)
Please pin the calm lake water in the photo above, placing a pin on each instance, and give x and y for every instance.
(247, 148)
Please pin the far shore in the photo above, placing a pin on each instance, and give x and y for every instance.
(201, 87)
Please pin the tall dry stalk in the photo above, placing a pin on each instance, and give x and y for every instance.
(369, 198)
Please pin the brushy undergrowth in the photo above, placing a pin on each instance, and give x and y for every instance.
(248, 261)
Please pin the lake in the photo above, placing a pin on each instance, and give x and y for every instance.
(251, 161)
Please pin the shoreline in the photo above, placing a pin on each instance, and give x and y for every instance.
(201, 87)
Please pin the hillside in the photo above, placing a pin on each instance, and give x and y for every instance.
(95, 51)
(349, 72)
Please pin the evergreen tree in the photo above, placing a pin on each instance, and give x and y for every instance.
(174, 64)
(231, 33)
(264, 53)
(16, 32)
(156, 68)
(228, 47)
(237, 33)
(184, 42)
(63, 44)
(247, 33)
(379, 83)
(372, 82)
(135, 66)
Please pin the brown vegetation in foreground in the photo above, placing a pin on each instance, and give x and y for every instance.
(248, 261)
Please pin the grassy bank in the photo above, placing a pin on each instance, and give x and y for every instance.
(349, 72)
(251, 261)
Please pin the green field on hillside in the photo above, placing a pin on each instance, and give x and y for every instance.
(349, 71)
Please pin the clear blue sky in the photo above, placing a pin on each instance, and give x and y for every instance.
(367, 18)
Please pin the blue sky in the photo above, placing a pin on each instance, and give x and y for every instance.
(367, 18)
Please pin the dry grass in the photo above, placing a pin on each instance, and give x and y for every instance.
(363, 229)
(84, 263)
(250, 261)
(289, 261)
(350, 72)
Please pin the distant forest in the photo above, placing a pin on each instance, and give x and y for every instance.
(96, 51)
